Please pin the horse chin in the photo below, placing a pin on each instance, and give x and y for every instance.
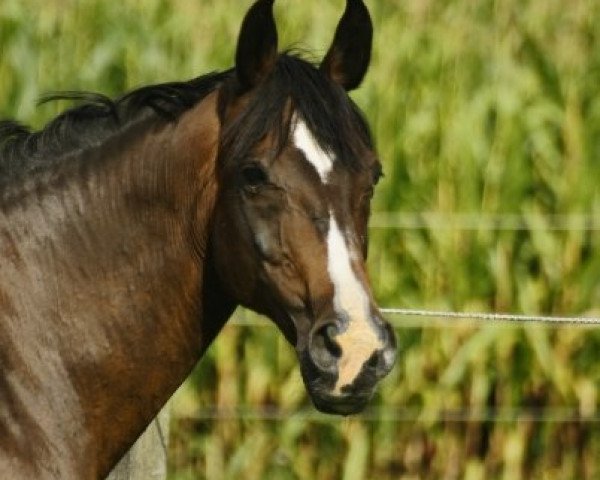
(321, 389)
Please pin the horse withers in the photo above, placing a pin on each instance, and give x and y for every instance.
(131, 229)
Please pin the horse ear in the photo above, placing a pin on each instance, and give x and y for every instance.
(349, 56)
(257, 45)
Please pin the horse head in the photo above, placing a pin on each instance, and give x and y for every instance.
(297, 170)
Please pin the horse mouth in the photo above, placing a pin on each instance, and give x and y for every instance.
(349, 401)
(341, 405)
(321, 387)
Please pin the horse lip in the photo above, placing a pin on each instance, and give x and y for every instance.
(341, 405)
(346, 403)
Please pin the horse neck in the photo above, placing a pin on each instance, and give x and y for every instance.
(112, 282)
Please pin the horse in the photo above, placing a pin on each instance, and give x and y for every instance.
(131, 229)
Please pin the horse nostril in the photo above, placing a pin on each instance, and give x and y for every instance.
(389, 358)
(323, 349)
(373, 361)
(383, 360)
(389, 335)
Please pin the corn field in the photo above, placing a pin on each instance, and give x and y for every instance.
(480, 109)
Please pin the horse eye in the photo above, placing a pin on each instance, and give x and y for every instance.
(322, 224)
(254, 176)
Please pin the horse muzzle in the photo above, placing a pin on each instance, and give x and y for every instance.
(342, 379)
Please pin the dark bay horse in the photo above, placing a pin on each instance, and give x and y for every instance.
(131, 229)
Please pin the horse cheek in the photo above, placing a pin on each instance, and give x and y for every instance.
(233, 258)
(288, 284)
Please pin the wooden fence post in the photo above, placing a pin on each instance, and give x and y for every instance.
(147, 459)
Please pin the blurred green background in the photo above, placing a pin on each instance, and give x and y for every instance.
(487, 118)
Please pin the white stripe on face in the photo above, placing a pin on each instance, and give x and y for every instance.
(305, 141)
(359, 341)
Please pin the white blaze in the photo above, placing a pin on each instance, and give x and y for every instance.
(306, 142)
(359, 341)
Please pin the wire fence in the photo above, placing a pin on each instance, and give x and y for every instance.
(422, 318)
(486, 222)
(396, 316)
(445, 319)
(400, 415)
(496, 317)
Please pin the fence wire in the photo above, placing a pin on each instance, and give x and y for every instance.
(494, 317)
(486, 222)
(401, 318)
(399, 414)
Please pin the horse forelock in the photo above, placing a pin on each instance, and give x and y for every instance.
(298, 90)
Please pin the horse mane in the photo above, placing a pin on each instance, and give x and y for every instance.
(93, 120)
(335, 120)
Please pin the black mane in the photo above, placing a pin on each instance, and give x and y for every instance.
(95, 119)
(325, 107)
